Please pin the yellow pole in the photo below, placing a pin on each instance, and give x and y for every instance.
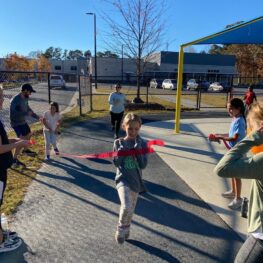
(179, 89)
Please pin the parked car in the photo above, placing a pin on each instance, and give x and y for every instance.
(258, 85)
(193, 84)
(156, 84)
(169, 84)
(57, 81)
(216, 86)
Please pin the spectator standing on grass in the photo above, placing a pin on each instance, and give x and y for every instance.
(8, 241)
(235, 163)
(249, 97)
(19, 109)
(117, 107)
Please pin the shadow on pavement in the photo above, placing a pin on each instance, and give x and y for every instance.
(154, 251)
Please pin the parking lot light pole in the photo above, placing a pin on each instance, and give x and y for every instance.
(95, 47)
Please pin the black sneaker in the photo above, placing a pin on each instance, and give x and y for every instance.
(29, 153)
(9, 245)
(56, 151)
(9, 235)
(17, 164)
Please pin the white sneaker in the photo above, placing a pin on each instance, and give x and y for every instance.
(235, 204)
(228, 194)
(9, 245)
(122, 235)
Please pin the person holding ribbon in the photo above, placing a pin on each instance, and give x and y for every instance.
(128, 178)
(236, 133)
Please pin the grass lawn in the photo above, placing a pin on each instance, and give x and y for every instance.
(207, 98)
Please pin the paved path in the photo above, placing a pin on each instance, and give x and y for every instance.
(70, 212)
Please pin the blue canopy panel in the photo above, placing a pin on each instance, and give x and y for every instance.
(246, 33)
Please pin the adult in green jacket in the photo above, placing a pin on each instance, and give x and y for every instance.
(236, 164)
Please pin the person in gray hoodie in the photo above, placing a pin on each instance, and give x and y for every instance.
(129, 176)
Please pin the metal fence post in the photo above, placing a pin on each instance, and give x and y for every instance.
(200, 99)
(197, 99)
(49, 89)
(80, 103)
(147, 95)
(90, 95)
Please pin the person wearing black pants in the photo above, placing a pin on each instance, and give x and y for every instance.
(116, 122)
(117, 103)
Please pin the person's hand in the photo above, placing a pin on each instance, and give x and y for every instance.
(260, 129)
(138, 143)
(23, 143)
(214, 137)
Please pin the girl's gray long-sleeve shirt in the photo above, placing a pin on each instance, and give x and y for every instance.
(129, 167)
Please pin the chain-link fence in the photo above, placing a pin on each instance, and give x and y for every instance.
(159, 93)
(77, 94)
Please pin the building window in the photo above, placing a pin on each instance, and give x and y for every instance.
(73, 68)
(57, 67)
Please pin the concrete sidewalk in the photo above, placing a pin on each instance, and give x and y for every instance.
(193, 158)
(70, 211)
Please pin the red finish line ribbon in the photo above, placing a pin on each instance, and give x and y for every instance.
(105, 155)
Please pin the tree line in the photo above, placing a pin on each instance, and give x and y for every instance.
(249, 58)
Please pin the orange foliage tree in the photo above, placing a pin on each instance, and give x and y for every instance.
(43, 63)
(18, 63)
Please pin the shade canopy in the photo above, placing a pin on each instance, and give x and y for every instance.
(250, 32)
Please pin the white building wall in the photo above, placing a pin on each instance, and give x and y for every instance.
(79, 66)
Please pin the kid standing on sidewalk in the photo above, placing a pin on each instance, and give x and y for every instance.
(129, 176)
(237, 132)
(52, 122)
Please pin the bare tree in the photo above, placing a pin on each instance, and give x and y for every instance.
(138, 27)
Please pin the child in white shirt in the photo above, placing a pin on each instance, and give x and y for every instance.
(52, 122)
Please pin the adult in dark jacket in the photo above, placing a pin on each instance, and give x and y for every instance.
(19, 109)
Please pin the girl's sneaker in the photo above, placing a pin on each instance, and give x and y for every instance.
(56, 151)
(120, 237)
(9, 235)
(235, 204)
(9, 245)
(47, 158)
(228, 194)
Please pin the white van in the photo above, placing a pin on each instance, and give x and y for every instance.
(57, 81)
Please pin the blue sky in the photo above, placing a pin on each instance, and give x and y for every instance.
(30, 25)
